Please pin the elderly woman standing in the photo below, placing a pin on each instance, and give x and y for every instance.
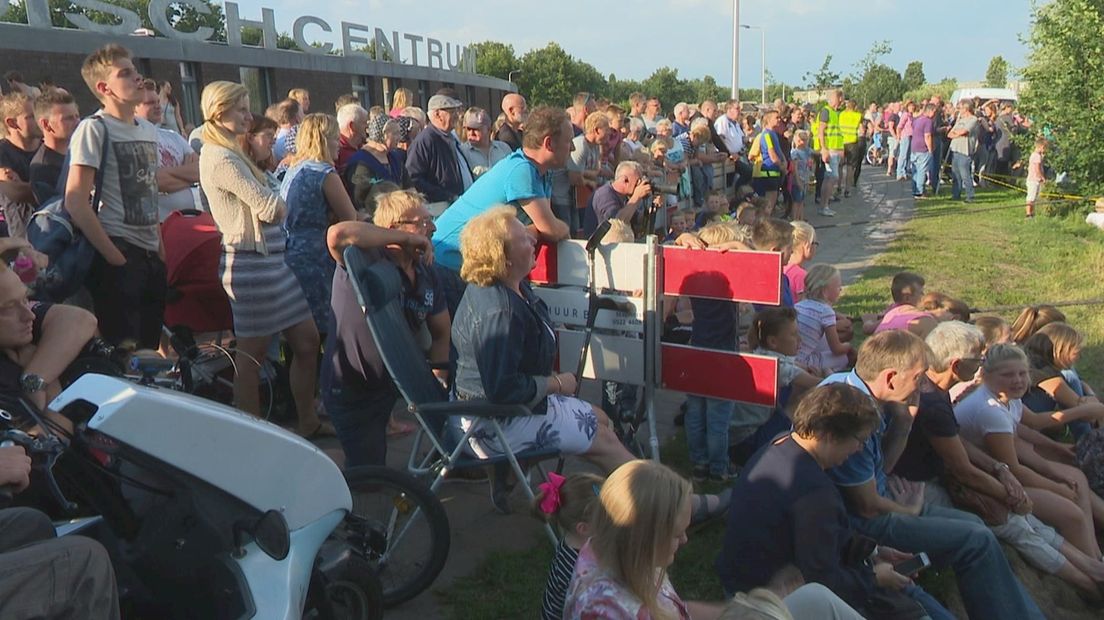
(380, 159)
(314, 196)
(249, 212)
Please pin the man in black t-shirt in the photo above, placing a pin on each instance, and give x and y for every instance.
(516, 111)
(16, 150)
(934, 449)
(57, 117)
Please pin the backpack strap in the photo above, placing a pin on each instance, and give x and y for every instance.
(103, 164)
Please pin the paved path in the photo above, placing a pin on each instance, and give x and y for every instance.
(477, 529)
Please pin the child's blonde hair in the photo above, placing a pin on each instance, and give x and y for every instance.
(716, 234)
(577, 495)
(991, 327)
(1032, 319)
(803, 233)
(1001, 353)
(817, 279)
(313, 141)
(802, 135)
(1055, 344)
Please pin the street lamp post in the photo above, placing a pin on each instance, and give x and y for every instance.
(736, 51)
(510, 75)
(762, 55)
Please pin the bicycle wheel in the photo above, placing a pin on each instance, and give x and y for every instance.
(399, 526)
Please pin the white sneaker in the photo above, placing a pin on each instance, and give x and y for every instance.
(826, 212)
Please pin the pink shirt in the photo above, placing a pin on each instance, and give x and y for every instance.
(796, 275)
(1035, 167)
(899, 317)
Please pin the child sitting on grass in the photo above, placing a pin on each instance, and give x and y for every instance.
(821, 345)
(1052, 352)
(754, 425)
(567, 504)
(945, 308)
(907, 290)
(804, 249)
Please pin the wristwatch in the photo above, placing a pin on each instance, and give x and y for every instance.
(31, 383)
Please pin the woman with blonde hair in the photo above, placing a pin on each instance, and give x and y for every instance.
(1032, 319)
(315, 198)
(402, 99)
(249, 213)
(1052, 352)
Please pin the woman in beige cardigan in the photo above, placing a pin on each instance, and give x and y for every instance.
(265, 296)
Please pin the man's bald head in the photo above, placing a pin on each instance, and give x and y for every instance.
(515, 108)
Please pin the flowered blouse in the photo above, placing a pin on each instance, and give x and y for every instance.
(596, 595)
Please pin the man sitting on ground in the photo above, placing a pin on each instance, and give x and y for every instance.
(890, 368)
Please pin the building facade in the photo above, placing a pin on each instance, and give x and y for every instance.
(57, 53)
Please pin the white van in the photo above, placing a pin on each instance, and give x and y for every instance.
(985, 94)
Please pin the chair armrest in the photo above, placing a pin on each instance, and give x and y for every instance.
(476, 408)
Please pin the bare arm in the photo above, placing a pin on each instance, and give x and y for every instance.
(78, 188)
(65, 331)
(865, 501)
(1061, 392)
(896, 435)
(176, 178)
(337, 198)
(549, 228)
(365, 235)
(17, 191)
(834, 344)
(956, 459)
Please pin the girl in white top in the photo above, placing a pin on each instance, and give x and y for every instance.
(816, 321)
(990, 418)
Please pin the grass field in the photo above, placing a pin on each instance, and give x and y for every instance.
(985, 254)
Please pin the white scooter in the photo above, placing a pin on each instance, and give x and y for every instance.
(207, 512)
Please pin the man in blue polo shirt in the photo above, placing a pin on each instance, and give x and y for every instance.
(890, 367)
(521, 180)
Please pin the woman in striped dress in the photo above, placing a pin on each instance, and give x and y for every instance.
(264, 295)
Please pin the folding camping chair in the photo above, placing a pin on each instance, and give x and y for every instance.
(378, 288)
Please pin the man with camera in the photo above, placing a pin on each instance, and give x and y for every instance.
(620, 198)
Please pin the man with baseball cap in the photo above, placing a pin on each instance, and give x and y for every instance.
(480, 150)
(436, 166)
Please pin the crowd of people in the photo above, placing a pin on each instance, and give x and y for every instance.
(933, 436)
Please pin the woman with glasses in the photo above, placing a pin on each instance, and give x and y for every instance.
(356, 390)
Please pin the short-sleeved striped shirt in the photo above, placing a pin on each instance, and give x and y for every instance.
(559, 577)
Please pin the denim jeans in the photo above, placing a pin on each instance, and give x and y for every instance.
(989, 588)
(962, 176)
(707, 432)
(935, 168)
(921, 162)
(903, 146)
(360, 418)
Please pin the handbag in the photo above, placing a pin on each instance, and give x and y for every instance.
(52, 232)
(991, 510)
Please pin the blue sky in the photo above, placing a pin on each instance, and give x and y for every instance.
(630, 39)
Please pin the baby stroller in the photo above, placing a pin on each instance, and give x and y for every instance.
(876, 154)
(196, 303)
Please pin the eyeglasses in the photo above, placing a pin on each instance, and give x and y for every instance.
(420, 222)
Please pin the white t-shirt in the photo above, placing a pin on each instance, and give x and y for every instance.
(813, 318)
(981, 414)
(173, 148)
(128, 204)
(731, 133)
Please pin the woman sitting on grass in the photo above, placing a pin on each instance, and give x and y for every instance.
(1052, 352)
(991, 417)
(639, 524)
(1032, 319)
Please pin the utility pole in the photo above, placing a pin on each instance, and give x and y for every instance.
(736, 50)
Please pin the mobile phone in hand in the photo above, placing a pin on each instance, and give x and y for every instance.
(918, 563)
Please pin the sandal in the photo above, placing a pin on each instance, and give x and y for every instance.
(324, 429)
(702, 513)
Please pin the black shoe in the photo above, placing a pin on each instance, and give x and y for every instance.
(501, 486)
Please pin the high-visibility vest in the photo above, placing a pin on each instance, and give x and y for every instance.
(832, 133)
(850, 121)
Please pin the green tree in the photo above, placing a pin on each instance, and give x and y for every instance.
(665, 84)
(880, 83)
(873, 58)
(914, 75)
(997, 74)
(943, 88)
(495, 59)
(822, 78)
(548, 76)
(1065, 65)
(182, 17)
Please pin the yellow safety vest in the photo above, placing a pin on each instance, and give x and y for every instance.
(832, 133)
(850, 121)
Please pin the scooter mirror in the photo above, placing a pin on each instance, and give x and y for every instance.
(272, 536)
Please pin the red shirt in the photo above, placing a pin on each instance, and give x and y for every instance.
(343, 154)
